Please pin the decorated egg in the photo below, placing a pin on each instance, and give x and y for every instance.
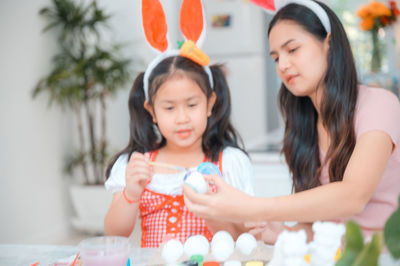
(208, 168)
(196, 181)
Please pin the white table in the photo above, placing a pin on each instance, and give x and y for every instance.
(25, 255)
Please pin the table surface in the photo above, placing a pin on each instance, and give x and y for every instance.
(25, 255)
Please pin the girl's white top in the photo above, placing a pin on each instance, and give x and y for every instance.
(236, 166)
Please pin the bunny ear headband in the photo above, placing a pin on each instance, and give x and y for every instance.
(192, 25)
(274, 6)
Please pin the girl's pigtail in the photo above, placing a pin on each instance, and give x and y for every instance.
(143, 134)
(142, 129)
(220, 133)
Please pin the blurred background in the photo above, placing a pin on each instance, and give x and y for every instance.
(36, 139)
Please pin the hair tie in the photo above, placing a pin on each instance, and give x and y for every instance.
(314, 6)
(273, 6)
(171, 53)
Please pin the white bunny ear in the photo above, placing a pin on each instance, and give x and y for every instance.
(155, 24)
(267, 5)
(192, 21)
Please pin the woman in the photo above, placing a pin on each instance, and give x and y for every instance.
(341, 138)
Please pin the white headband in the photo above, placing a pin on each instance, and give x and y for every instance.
(314, 6)
(157, 60)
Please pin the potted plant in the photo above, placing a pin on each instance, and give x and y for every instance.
(359, 253)
(86, 72)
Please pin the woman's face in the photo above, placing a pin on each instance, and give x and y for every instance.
(301, 59)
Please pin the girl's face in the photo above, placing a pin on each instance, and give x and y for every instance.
(180, 108)
(301, 59)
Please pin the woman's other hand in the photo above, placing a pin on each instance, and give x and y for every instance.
(265, 231)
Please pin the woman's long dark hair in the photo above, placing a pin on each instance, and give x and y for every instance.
(144, 135)
(339, 98)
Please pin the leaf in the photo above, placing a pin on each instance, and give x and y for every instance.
(347, 259)
(370, 254)
(354, 238)
(392, 233)
(354, 244)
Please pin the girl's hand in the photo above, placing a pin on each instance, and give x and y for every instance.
(265, 231)
(138, 174)
(226, 203)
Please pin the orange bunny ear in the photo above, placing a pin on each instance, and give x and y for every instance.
(192, 20)
(155, 24)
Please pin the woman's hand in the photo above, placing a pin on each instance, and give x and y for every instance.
(226, 203)
(138, 174)
(266, 231)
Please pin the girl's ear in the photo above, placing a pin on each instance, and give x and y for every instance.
(150, 109)
(210, 103)
(328, 40)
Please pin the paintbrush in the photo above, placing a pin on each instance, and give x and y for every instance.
(170, 166)
(76, 259)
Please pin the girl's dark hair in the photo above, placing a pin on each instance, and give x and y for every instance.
(144, 135)
(338, 102)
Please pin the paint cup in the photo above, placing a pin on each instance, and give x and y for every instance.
(104, 251)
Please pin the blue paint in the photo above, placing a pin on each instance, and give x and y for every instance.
(208, 168)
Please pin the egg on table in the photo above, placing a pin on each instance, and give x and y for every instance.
(196, 245)
(222, 245)
(172, 251)
(246, 243)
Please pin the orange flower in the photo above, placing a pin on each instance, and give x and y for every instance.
(367, 23)
(379, 9)
(364, 11)
(377, 15)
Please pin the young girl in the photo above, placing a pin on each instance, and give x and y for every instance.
(184, 121)
(180, 115)
(341, 139)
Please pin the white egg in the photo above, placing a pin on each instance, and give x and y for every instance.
(172, 251)
(246, 243)
(196, 181)
(232, 263)
(196, 245)
(221, 235)
(222, 249)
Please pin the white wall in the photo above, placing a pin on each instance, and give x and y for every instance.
(32, 138)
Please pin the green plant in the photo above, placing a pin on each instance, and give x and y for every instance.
(86, 71)
(391, 233)
(356, 253)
